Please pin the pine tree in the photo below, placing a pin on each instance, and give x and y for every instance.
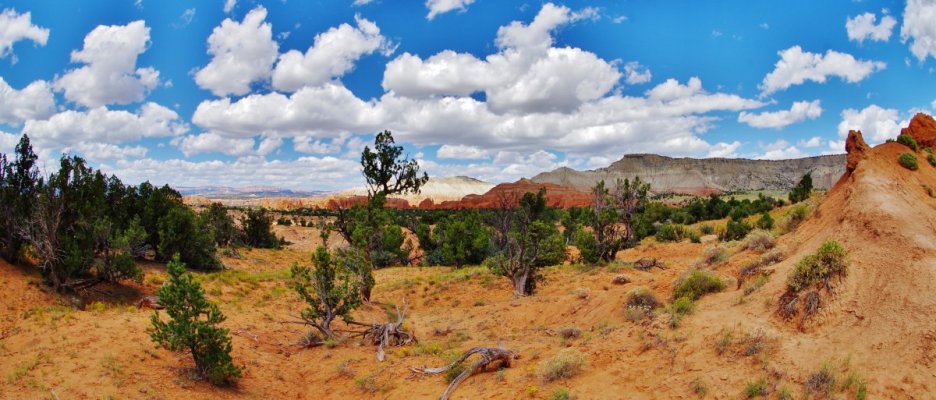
(193, 326)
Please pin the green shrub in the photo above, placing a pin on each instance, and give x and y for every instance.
(707, 229)
(765, 222)
(829, 261)
(694, 237)
(565, 364)
(669, 232)
(931, 159)
(908, 141)
(735, 230)
(908, 161)
(697, 283)
(193, 326)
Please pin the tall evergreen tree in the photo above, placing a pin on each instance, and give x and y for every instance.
(19, 182)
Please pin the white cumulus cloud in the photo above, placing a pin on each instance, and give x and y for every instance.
(333, 54)
(797, 66)
(35, 101)
(814, 141)
(461, 152)
(437, 7)
(781, 150)
(15, 27)
(865, 26)
(110, 75)
(636, 73)
(229, 5)
(876, 124)
(241, 53)
(919, 26)
(99, 124)
(211, 142)
(800, 111)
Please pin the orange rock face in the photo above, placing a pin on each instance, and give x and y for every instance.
(856, 148)
(923, 129)
(556, 196)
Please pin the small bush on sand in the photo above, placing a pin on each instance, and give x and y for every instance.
(714, 255)
(908, 141)
(908, 161)
(931, 159)
(756, 389)
(561, 394)
(697, 283)
(565, 364)
(828, 262)
(759, 241)
(707, 229)
(641, 297)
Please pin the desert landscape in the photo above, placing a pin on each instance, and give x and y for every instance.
(467, 199)
(731, 341)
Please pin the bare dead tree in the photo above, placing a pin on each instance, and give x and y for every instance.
(490, 358)
(502, 218)
(42, 234)
(385, 335)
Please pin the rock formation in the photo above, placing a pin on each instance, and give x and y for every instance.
(923, 129)
(857, 150)
(704, 176)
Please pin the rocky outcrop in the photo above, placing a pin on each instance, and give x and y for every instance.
(857, 150)
(437, 189)
(556, 196)
(923, 129)
(704, 176)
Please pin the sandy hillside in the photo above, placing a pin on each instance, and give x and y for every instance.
(875, 330)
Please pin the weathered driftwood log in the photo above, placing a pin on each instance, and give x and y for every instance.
(490, 358)
(384, 335)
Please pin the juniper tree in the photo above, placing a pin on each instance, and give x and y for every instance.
(533, 242)
(19, 182)
(193, 326)
(331, 289)
(370, 227)
(802, 190)
(257, 225)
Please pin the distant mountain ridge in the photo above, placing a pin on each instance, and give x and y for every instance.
(703, 176)
(244, 191)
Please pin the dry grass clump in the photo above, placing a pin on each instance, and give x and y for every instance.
(759, 240)
(712, 256)
(570, 332)
(793, 217)
(565, 364)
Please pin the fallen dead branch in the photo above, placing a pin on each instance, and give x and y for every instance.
(385, 335)
(646, 264)
(490, 358)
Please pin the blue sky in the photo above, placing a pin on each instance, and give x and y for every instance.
(287, 93)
